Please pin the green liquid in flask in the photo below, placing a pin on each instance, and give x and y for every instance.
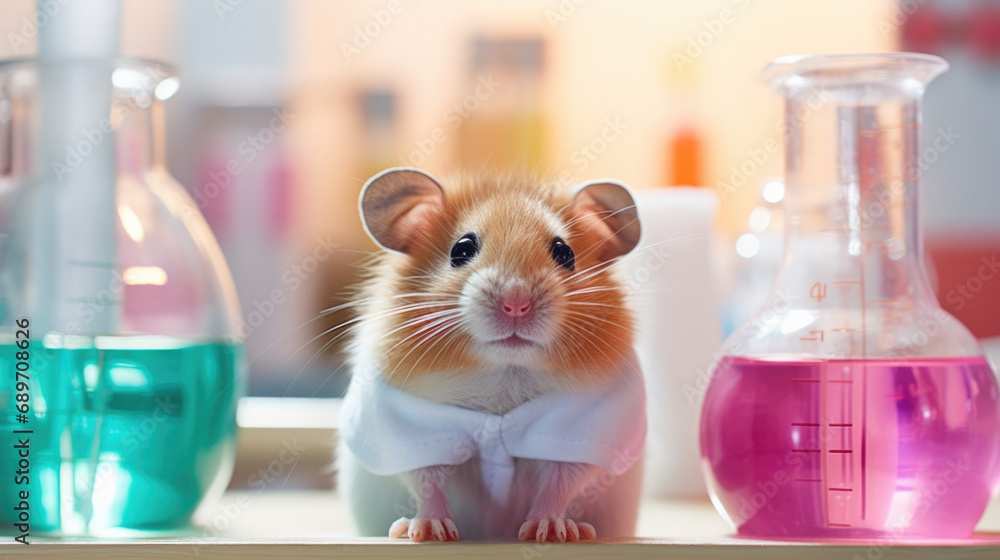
(127, 432)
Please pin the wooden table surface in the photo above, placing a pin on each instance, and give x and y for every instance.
(313, 525)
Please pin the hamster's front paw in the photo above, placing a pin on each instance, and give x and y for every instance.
(554, 529)
(421, 529)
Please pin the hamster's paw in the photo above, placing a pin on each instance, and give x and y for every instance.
(556, 529)
(421, 529)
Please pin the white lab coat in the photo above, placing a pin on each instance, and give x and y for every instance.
(389, 432)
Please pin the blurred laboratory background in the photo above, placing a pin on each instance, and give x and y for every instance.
(286, 108)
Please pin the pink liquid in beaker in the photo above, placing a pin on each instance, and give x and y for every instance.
(852, 448)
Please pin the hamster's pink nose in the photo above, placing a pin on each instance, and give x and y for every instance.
(516, 304)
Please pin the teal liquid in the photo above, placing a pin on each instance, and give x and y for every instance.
(129, 432)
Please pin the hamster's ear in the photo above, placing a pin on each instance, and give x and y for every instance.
(606, 209)
(398, 207)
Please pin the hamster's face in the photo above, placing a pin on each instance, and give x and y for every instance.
(513, 268)
(506, 271)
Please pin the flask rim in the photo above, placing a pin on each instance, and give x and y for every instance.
(154, 76)
(791, 72)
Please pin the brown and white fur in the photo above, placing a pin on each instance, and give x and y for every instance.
(508, 326)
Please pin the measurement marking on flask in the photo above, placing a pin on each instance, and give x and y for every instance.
(840, 451)
(809, 480)
(816, 335)
(818, 291)
(808, 424)
(841, 489)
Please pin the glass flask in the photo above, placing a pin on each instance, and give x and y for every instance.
(115, 303)
(852, 405)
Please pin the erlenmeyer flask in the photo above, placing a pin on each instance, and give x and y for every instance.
(116, 305)
(852, 405)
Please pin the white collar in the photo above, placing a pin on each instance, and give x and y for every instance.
(390, 431)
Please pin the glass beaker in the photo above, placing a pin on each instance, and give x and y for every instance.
(115, 303)
(852, 406)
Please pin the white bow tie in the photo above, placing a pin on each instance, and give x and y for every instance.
(390, 431)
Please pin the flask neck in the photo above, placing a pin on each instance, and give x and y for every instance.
(140, 144)
(853, 174)
(853, 284)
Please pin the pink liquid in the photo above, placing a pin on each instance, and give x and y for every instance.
(904, 449)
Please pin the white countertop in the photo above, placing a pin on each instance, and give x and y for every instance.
(313, 524)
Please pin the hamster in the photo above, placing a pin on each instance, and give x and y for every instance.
(495, 391)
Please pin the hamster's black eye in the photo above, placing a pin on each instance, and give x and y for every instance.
(464, 250)
(563, 254)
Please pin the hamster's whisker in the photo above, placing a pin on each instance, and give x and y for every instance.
(406, 295)
(380, 315)
(406, 308)
(248, 363)
(451, 340)
(433, 324)
(356, 301)
(604, 332)
(464, 343)
(657, 365)
(361, 301)
(577, 276)
(398, 310)
(582, 217)
(420, 277)
(343, 306)
(437, 328)
(610, 213)
(426, 318)
(576, 329)
(399, 362)
(673, 240)
(591, 290)
(598, 245)
(443, 325)
(428, 242)
(438, 335)
(593, 304)
(351, 322)
(311, 360)
(592, 317)
(590, 271)
(561, 351)
(319, 316)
